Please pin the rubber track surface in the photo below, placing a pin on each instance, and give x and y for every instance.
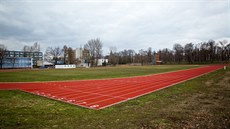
(98, 94)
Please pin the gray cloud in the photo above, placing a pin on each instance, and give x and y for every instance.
(124, 24)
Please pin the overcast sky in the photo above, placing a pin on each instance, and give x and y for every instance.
(125, 24)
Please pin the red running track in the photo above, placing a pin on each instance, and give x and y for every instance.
(99, 94)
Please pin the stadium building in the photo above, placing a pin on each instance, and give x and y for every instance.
(20, 59)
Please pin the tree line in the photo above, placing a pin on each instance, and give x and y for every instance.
(204, 52)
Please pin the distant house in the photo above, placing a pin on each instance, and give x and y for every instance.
(101, 61)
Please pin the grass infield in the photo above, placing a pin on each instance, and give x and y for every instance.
(83, 73)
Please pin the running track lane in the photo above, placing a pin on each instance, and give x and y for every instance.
(99, 94)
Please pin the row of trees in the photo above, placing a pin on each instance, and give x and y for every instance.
(205, 52)
(130, 56)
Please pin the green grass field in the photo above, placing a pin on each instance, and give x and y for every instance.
(203, 102)
(82, 73)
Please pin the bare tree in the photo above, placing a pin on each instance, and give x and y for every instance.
(65, 53)
(125, 56)
(227, 47)
(71, 56)
(143, 56)
(131, 54)
(188, 50)
(150, 55)
(212, 48)
(2, 53)
(113, 57)
(95, 49)
(166, 55)
(196, 53)
(223, 44)
(53, 54)
(178, 52)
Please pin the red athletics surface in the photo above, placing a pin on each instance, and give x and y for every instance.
(98, 94)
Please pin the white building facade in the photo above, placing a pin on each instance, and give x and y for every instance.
(101, 61)
(79, 53)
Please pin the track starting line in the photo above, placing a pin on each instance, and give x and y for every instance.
(99, 94)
